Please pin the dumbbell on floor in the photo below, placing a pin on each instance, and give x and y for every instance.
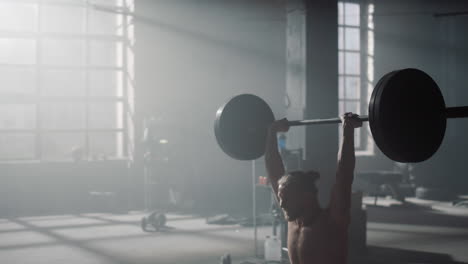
(156, 220)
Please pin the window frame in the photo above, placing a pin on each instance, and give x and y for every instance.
(37, 97)
(366, 9)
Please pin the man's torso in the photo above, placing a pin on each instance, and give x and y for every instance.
(320, 242)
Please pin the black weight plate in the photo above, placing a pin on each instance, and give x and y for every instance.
(407, 115)
(241, 126)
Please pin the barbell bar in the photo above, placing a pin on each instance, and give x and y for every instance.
(450, 112)
(407, 118)
(335, 120)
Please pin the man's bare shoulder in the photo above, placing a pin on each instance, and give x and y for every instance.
(293, 226)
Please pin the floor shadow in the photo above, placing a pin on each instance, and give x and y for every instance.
(384, 255)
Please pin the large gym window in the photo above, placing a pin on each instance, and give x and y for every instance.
(355, 66)
(65, 74)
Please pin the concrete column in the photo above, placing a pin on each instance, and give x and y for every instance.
(322, 90)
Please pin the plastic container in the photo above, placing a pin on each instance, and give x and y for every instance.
(272, 249)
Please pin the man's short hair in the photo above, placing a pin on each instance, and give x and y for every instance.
(300, 180)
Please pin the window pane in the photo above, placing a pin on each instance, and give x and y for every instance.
(18, 51)
(340, 38)
(341, 94)
(105, 115)
(18, 17)
(353, 87)
(370, 17)
(352, 106)
(345, 106)
(352, 63)
(130, 4)
(341, 62)
(63, 115)
(357, 138)
(370, 42)
(340, 13)
(17, 146)
(63, 82)
(59, 146)
(105, 144)
(105, 22)
(59, 18)
(352, 13)
(61, 2)
(341, 107)
(17, 81)
(17, 116)
(105, 53)
(370, 68)
(105, 83)
(109, 2)
(352, 38)
(63, 52)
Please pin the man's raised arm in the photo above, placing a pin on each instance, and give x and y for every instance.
(341, 194)
(346, 154)
(273, 162)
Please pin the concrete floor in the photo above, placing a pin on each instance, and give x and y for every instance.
(393, 236)
(108, 238)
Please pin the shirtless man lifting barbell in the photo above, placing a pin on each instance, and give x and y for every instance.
(315, 234)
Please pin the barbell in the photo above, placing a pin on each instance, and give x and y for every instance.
(407, 119)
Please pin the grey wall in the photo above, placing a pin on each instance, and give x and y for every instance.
(192, 56)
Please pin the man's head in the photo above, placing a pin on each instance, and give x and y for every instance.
(297, 192)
